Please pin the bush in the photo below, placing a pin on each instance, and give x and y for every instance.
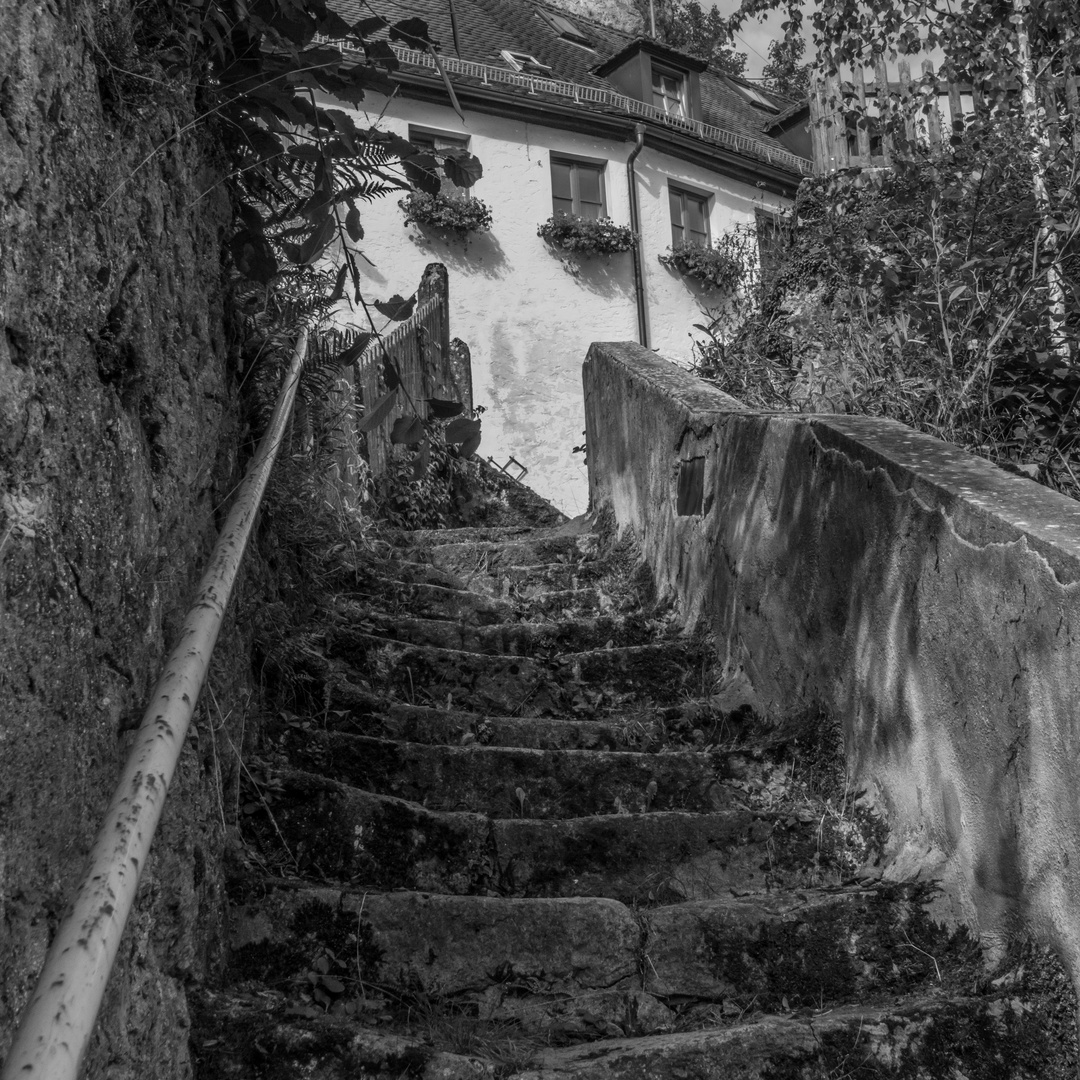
(921, 294)
(462, 214)
(586, 236)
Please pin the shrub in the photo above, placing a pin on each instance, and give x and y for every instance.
(586, 236)
(462, 214)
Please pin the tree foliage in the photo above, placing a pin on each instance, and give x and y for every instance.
(687, 26)
(920, 293)
(786, 72)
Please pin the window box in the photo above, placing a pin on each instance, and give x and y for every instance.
(586, 236)
(458, 213)
(715, 267)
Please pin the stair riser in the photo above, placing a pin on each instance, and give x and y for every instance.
(487, 780)
(515, 639)
(542, 962)
(771, 955)
(330, 831)
(423, 724)
(513, 685)
(491, 558)
(935, 1039)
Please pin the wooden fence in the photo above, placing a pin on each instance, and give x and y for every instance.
(851, 120)
(429, 368)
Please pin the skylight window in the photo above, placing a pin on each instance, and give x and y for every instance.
(756, 97)
(526, 64)
(565, 28)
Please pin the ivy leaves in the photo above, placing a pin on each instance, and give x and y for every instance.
(304, 170)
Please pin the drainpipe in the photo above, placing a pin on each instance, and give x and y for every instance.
(635, 225)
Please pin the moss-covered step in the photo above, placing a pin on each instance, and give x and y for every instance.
(929, 1037)
(799, 948)
(240, 1036)
(663, 857)
(515, 638)
(492, 557)
(330, 831)
(357, 711)
(422, 674)
(423, 600)
(513, 781)
(544, 952)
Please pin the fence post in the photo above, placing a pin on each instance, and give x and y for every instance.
(885, 108)
(837, 132)
(1072, 98)
(862, 129)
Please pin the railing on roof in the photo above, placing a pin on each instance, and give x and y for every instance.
(598, 95)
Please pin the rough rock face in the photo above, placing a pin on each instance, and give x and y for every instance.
(117, 437)
(617, 13)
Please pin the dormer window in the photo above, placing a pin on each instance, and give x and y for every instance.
(669, 91)
(657, 75)
(565, 28)
(526, 64)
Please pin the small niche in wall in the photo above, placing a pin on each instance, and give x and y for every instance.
(691, 487)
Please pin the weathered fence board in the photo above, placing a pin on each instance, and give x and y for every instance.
(849, 117)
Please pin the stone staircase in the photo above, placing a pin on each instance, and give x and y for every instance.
(509, 822)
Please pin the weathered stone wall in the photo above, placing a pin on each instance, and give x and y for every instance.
(117, 437)
(929, 600)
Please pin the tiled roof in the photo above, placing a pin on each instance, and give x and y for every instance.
(486, 27)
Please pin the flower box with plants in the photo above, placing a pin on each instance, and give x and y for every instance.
(462, 214)
(718, 267)
(586, 236)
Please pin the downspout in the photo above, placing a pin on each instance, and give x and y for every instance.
(635, 226)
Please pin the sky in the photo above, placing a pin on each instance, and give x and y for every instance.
(754, 37)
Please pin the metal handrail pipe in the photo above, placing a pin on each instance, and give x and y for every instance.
(57, 1024)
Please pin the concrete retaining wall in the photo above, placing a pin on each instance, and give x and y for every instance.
(926, 598)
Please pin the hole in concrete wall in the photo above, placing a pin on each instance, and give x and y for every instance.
(691, 490)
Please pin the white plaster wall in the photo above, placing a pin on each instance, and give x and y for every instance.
(528, 322)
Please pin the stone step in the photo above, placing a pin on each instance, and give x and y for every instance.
(330, 831)
(432, 601)
(515, 685)
(421, 538)
(798, 948)
(358, 711)
(512, 781)
(509, 638)
(239, 1036)
(491, 558)
(542, 962)
(661, 857)
(930, 1037)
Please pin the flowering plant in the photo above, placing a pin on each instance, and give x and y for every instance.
(462, 214)
(719, 267)
(586, 236)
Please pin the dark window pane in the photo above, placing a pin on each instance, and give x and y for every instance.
(695, 215)
(675, 203)
(560, 181)
(589, 184)
(562, 206)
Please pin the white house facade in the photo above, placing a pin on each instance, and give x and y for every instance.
(663, 145)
